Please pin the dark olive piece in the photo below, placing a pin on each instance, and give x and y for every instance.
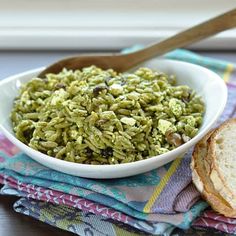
(145, 153)
(98, 89)
(108, 152)
(89, 152)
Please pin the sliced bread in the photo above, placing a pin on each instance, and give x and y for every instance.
(222, 156)
(200, 170)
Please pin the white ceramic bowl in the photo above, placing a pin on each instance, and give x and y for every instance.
(205, 82)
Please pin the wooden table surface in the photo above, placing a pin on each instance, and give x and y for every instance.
(15, 224)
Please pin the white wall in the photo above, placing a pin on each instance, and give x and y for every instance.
(104, 24)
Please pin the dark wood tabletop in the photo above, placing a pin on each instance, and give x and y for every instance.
(15, 224)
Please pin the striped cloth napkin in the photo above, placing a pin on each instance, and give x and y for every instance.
(154, 202)
(146, 201)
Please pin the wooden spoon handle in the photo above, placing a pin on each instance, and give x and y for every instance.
(194, 34)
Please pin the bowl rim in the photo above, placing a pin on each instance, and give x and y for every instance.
(110, 167)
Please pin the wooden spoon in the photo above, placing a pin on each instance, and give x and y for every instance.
(123, 62)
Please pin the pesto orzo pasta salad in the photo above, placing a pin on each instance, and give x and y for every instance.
(97, 116)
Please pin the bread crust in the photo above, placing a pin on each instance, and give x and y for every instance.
(217, 178)
(200, 175)
(195, 164)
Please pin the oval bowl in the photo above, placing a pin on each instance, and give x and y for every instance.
(205, 82)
